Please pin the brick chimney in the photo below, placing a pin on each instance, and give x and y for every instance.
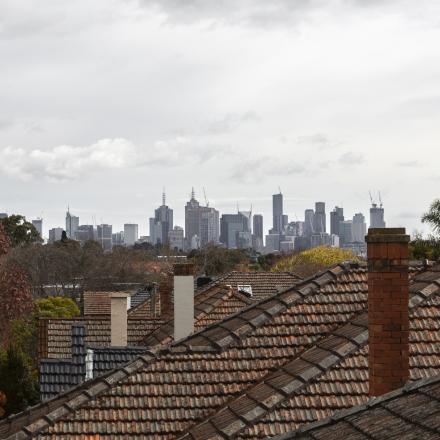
(118, 318)
(183, 300)
(165, 294)
(388, 321)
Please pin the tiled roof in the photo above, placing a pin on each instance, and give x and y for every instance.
(296, 356)
(411, 412)
(57, 344)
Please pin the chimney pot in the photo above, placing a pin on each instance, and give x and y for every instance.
(388, 321)
(118, 318)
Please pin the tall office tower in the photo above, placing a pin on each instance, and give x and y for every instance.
(277, 213)
(131, 234)
(309, 222)
(258, 226)
(176, 239)
(38, 225)
(359, 228)
(346, 232)
(104, 236)
(85, 233)
(235, 230)
(201, 222)
(161, 224)
(209, 225)
(336, 216)
(55, 234)
(377, 216)
(295, 229)
(118, 238)
(320, 218)
(72, 223)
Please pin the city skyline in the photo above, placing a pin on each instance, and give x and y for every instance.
(144, 226)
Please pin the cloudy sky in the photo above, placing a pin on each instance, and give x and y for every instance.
(105, 102)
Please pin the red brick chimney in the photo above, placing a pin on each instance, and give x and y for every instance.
(165, 294)
(388, 321)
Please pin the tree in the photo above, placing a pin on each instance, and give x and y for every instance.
(15, 299)
(433, 216)
(57, 307)
(214, 260)
(20, 231)
(313, 260)
(17, 381)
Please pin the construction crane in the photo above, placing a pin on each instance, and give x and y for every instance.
(380, 199)
(279, 189)
(206, 198)
(371, 199)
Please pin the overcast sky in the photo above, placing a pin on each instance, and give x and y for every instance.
(104, 102)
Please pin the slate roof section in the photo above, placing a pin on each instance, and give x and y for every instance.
(234, 375)
(413, 412)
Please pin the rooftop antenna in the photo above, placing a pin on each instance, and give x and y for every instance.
(193, 194)
(206, 199)
(163, 197)
(279, 189)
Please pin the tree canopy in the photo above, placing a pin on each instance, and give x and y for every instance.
(433, 216)
(310, 261)
(57, 307)
(19, 231)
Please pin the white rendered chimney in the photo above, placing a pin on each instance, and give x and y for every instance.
(183, 300)
(118, 318)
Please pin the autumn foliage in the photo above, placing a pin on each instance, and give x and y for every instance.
(313, 260)
(15, 292)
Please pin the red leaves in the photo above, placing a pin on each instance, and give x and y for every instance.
(5, 243)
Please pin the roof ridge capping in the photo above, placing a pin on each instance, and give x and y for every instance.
(220, 335)
(409, 388)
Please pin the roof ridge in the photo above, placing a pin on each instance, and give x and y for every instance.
(409, 388)
(242, 410)
(278, 385)
(201, 309)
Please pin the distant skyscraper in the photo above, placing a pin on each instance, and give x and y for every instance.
(258, 226)
(359, 228)
(346, 232)
(309, 222)
(118, 238)
(38, 225)
(104, 236)
(336, 216)
(131, 234)
(201, 222)
(72, 223)
(161, 224)
(377, 216)
(85, 233)
(277, 213)
(55, 234)
(320, 218)
(235, 230)
(3, 215)
(176, 238)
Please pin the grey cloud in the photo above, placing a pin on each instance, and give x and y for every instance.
(409, 164)
(246, 12)
(351, 158)
(67, 162)
(255, 170)
(318, 140)
(230, 122)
